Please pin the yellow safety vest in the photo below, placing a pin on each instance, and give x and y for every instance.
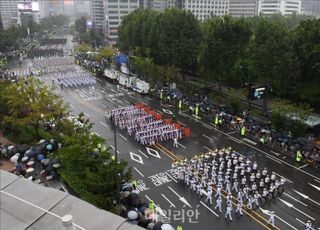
(243, 130)
(197, 111)
(152, 205)
(180, 104)
(179, 227)
(134, 183)
(160, 95)
(216, 120)
(299, 156)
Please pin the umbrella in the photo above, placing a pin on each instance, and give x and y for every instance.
(157, 226)
(132, 215)
(49, 147)
(14, 159)
(23, 148)
(42, 141)
(45, 161)
(3, 151)
(166, 227)
(40, 157)
(51, 141)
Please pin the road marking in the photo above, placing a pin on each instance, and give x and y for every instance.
(317, 180)
(209, 209)
(272, 158)
(136, 158)
(239, 154)
(171, 177)
(153, 152)
(232, 132)
(234, 139)
(249, 141)
(183, 124)
(295, 199)
(306, 197)
(71, 105)
(182, 145)
(159, 111)
(303, 166)
(275, 153)
(111, 146)
(209, 138)
(298, 210)
(290, 181)
(122, 137)
(38, 207)
(97, 134)
(104, 124)
(304, 224)
(207, 148)
(138, 171)
(286, 222)
(206, 126)
(167, 111)
(143, 153)
(316, 187)
(182, 199)
(171, 204)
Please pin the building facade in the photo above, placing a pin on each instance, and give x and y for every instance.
(311, 7)
(284, 7)
(9, 12)
(115, 10)
(243, 8)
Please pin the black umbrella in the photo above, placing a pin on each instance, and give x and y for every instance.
(23, 148)
(157, 226)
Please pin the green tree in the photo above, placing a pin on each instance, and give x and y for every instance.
(80, 25)
(31, 103)
(88, 167)
(107, 53)
(225, 41)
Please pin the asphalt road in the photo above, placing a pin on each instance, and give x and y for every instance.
(152, 167)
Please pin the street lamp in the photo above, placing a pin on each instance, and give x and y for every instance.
(116, 157)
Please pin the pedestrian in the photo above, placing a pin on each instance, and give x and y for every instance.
(179, 227)
(209, 196)
(175, 142)
(271, 218)
(308, 225)
(239, 207)
(152, 205)
(218, 203)
(228, 211)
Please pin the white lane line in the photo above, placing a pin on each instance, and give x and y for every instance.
(88, 115)
(206, 126)
(275, 153)
(303, 166)
(295, 199)
(171, 177)
(239, 153)
(209, 209)
(316, 187)
(293, 207)
(183, 124)
(207, 148)
(306, 197)
(104, 124)
(42, 209)
(232, 132)
(317, 180)
(143, 153)
(271, 158)
(182, 145)
(182, 199)
(286, 222)
(111, 146)
(71, 105)
(304, 224)
(158, 111)
(234, 139)
(96, 134)
(209, 138)
(290, 181)
(138, 171)
(249, 141)
(122, 137)
(171, 204)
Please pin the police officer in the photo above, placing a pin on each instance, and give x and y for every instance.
(298, 156)
(179, 227)
(152, 205)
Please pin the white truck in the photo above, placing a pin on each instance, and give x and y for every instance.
(125, 80)
(140, 86)
(111, 75)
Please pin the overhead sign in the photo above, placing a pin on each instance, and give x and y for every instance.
(28, 7)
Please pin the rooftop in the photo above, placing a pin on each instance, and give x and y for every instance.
(26, 205)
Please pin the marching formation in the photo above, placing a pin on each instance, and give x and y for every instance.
(75, 79)
(225, 173)
(146, 125)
